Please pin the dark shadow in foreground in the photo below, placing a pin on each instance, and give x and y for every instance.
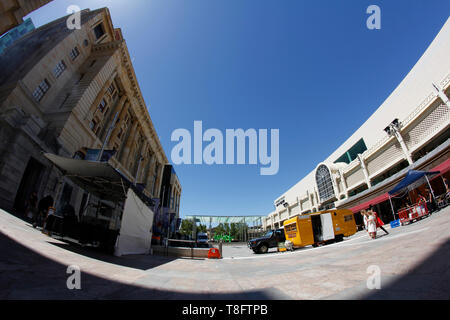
(24, 274)
(132, 261)
(429, 280)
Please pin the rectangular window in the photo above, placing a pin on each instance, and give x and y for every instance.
(111, 89)
(102, 105)
(99, 31)
(74, 53)
(59, 69)
(348, 218)
(41, 89)
(93, 125)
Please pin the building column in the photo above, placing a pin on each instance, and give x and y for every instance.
(364, 169)
(138, 156)
(134, 149)
(442, 95)
(403, 145)
(146, 165)
(159, 177)
(344, 182)
(151, 171)
(127, 141)
(311, 201)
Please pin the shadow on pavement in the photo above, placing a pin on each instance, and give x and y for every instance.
(141, 262)
(24, 274)
(429, 280)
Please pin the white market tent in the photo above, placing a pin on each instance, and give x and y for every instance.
(135, 235)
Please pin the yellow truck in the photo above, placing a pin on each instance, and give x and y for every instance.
(320, 228)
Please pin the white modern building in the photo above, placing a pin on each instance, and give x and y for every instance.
(410, 130)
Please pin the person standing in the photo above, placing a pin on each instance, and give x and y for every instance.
(422, 199)
(31, 209)
(378, 221)
(371, 225)
(447, 185)
(364, 215)
(43, 206)
(431, 205)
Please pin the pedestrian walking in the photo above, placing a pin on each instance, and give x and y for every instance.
(364, 215)
(371, 224)
(378, 221)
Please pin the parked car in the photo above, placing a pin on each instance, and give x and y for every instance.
(269, 240)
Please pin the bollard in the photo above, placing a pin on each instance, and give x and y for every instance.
(220, 248)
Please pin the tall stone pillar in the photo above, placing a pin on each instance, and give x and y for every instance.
(442, 95)
(126, 145)
(364, 169)
(403, 145)
(150, 174)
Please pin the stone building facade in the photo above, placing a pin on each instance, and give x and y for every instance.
(171, 190)
(13, 11)
(60, 91)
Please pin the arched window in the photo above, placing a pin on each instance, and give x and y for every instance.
(324, 183)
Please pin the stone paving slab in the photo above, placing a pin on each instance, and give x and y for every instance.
(414, 261)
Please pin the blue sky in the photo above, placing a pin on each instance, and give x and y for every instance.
(311, 69)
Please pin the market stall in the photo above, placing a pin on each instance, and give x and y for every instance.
(413, 211)
(409, 214)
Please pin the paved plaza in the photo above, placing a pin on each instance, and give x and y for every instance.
(414, 261)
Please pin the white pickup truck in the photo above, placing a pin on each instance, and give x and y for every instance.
(202, 240)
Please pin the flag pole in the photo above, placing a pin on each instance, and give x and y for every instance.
(431, 189)
(392, 207)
